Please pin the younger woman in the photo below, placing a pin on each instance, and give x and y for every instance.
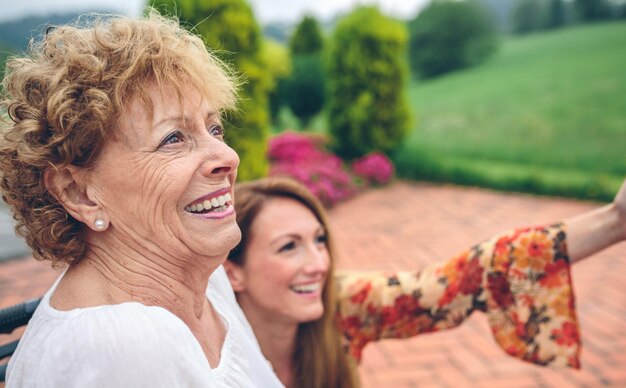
(313, 323)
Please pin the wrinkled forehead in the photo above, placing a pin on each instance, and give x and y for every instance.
(153, 102)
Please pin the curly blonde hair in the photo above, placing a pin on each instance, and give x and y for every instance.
(62, 101)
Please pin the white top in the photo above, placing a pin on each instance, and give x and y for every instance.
(133, 345)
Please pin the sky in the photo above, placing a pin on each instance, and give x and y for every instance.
(265, 10)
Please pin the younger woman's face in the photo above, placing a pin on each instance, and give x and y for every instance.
(286, 264)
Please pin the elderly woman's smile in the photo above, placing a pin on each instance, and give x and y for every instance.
(217, 204)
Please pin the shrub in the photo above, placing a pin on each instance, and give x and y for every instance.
(278, 63)
(302, 157)
(367, 107)
(307, 39)
(374, 169)
(291, 147)
(304, 90)
(229, 27)
(449, 35)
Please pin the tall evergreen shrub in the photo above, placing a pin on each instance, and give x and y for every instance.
(307, 38)
(305, 89)
(367, 105)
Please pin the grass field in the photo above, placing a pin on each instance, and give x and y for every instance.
(546, 114)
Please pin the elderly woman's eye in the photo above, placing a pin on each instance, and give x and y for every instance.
(216, 130)
(172, 138)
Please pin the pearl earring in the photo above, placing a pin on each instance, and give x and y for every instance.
(100, 224)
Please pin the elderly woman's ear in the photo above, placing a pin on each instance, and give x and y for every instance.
(65, 184)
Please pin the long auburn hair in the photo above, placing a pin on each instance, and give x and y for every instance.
(320, 359)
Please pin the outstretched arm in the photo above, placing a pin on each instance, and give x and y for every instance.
(520, 279)
(596, 230)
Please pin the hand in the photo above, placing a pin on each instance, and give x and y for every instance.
(620, 205)
(597, 229)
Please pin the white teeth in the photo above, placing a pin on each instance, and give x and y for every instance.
(306, 288)
(218, 203)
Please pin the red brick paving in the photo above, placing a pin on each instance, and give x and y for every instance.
(408, 225)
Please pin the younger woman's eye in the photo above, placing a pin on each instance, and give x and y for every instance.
(287, 247)
(321, 239)
(172, 138)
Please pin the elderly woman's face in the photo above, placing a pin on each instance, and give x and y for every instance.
(166, 181)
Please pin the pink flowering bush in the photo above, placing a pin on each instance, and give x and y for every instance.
(374, 168)
(303, 157)
(293, 147)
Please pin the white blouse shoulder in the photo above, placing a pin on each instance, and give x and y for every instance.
(133, 345)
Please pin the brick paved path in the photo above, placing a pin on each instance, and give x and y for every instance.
(408, 225)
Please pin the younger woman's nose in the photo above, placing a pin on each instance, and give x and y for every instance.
(317, 261)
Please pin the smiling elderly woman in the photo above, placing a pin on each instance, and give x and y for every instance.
(114, 164)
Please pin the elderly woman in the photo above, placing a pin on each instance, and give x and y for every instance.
(114, 164)
(312, 323)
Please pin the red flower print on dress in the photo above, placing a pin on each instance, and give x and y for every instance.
(555, 274)
(472, 278)
(499, 287)
(360, 296)
(567, 335)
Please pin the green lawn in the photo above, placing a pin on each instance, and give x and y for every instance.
(546, 114)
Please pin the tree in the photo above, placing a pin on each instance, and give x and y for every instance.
(556, 14)
(307, 39)
(305, 89)
(591, 10)
(4, 54)
(229, 28)
(449, 35)
(276, 56)
(367, 106)
(527, 16)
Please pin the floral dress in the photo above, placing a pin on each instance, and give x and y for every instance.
(520, 279)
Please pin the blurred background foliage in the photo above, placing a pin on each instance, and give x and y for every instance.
(523, 95)
(367, 107)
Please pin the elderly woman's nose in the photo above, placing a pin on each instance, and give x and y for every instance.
(222, 160)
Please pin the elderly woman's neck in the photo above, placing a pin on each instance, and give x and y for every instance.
(113, 276)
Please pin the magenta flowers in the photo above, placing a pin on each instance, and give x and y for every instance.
(303, 157)
(374, 168)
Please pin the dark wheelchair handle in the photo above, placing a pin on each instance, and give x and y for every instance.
(18, 315)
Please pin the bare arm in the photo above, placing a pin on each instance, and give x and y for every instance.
(596, 230)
